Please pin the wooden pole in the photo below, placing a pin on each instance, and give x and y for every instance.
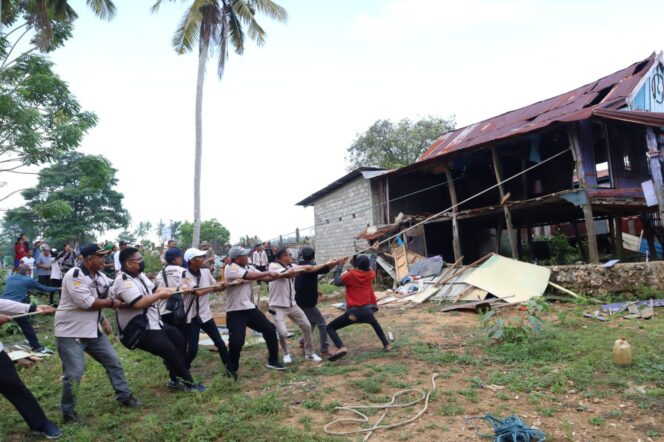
(575, 147)
(456, 244)
(508, 215)
(655, 168)
(612, 233)
(617, 221)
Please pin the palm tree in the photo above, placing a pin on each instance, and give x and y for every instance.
(212, 25)
(42, 12)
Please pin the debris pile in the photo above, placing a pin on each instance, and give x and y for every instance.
(490, 281)
(23, 356)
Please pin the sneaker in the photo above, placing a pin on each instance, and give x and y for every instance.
(131, 402)
(326, 353)
(313, 357)
(275, 366)
(40, 349)
(71, 417)
(287, 358)
(196, 388)
(175, 385)
(338, 354)
(387, 349)
(50, 431)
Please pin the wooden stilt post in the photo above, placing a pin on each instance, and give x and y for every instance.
(617, 221)
(456, 242)
(575, 147)
(655, 168)
(612, 233)
(508, 215)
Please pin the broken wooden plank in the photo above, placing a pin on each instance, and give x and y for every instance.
(475, 306)
(563, 289)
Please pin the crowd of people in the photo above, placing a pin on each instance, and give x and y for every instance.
(164, 316)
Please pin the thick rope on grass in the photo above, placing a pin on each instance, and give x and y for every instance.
(511, 429)
(363, 418)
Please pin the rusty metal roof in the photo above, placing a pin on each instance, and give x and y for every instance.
(636, 117)
(610, 92)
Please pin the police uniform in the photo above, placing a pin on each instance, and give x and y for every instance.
(241, 312)
(199, 315)
(160, 339)
(78, 331)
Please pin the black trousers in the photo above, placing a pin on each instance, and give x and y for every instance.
(237, 323)
(53, 283)
(345, 320)
(192, 331)
(28, 330)
(18, 394)
(168, 343)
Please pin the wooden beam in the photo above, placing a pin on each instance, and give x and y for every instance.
(655, 168)
(617, 221)
(456, 243)
(508, 215)
(612, 233)
(575, 147)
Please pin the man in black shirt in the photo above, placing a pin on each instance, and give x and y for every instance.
(306, 295)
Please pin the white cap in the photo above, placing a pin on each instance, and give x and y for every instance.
(193, 253)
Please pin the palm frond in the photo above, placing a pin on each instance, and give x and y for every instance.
(271, 9)
(188, 31)
(61, 10)
(256, 32)
(235, 31)
(105, 9)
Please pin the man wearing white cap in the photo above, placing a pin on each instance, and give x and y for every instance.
(197, 306)
(241, 312)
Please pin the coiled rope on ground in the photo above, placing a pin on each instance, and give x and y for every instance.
(363, 418)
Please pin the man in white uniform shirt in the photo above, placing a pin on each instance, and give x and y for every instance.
(197, 306)
(78, 330)
(134, 289)
(241, 312)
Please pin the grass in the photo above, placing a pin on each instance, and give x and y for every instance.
(574, 355)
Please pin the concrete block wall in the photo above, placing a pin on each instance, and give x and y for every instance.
(335, 238)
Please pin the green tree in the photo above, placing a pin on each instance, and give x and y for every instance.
(159, 229)
(42, 16)
(74, 199)
(211, 26)
(391, 145)
(127, 236)
(143, 228)
(212, 231)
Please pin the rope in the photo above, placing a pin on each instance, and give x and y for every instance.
(512, 429)
(424, 396)
(435, 215)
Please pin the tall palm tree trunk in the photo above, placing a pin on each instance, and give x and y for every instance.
(202, 58)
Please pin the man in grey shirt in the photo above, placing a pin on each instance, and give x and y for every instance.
(78, 330)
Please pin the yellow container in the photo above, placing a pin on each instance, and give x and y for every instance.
(622, 353)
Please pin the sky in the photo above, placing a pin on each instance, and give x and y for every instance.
(277, 126)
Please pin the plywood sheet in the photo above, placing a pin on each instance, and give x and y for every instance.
(504, 277)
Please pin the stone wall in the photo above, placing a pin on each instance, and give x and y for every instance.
(336, 238)
(594, 280)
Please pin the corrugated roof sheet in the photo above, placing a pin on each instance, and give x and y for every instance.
(610, 92)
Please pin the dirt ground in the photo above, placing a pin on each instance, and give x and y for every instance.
(566, 416)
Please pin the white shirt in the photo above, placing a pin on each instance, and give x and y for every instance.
(259, 258)
(173, 279)
(201, 304)
(55, 270)
(116, 259)
(80, 289)
(30, 262)
(282, 291)
(238, 297)
(129, 290)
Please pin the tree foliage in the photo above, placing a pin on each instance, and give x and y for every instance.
(212, 231)
(74, 200)
(391, 145)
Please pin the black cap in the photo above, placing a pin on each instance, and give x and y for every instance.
(93, 249)
(123, 243)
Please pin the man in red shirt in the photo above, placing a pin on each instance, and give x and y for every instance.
(360, 301)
